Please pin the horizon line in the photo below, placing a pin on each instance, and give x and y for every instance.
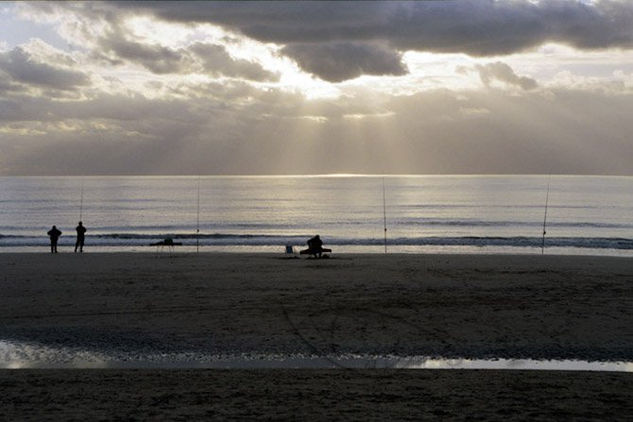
(323, 175)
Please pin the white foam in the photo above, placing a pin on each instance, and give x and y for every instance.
(16, 355)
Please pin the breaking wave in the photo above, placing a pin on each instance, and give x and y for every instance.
(226, 239)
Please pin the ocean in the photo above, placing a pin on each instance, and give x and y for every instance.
(590, 215)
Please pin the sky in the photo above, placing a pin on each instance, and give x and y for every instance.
(426, 87)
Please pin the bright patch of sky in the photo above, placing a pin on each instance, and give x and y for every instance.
(17, 30)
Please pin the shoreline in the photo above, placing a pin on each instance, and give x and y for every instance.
(339, 249)
(454, 306)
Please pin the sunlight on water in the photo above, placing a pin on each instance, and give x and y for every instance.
(18, 355)
(554, 365)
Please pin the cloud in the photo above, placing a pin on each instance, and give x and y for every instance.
(336, 62)
(478, 27)
(502, 72)
(24, 68)
(6, 86)
(189, 106)
(116, 48)
(316, 34)
(216, 60)
(274, 132)
(156, 58)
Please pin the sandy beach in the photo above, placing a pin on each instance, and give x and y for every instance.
(470, 306)
(371, 395)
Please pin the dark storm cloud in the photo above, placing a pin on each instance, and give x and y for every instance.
(336, 62)
(313, 32)
(22, 67)
(502, 72)
(477, 27)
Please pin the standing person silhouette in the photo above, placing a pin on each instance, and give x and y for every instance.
(54, 234)
(81, 232)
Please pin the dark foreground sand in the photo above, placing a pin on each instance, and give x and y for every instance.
(442, 305)
(368, 395)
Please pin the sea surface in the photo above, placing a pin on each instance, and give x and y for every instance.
(430, 214)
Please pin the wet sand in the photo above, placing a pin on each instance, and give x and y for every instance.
(367, 395)
(471, 306)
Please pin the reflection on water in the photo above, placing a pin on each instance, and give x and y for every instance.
(16, 355)
(550, 365)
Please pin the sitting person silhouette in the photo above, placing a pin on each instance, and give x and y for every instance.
(54, 234)
(315, 247)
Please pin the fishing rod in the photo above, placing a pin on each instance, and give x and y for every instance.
(384, 211)
(81, 202)
(545, 215)
(198, 218)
